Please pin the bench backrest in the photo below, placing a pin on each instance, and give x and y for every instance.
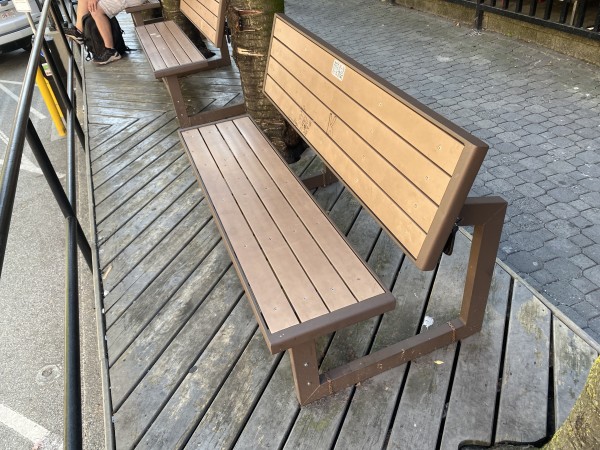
(406, 164)
(208, 16)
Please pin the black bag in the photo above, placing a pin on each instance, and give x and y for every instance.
(93, 42)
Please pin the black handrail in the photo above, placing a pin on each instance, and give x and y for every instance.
(22, 129)
(515, 10)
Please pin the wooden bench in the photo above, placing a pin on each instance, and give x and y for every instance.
(138, 11)
(408, 166)
(172, 54)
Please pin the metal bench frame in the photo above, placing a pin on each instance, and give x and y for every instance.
(486, 214)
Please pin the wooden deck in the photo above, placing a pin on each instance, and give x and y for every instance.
(188, 366)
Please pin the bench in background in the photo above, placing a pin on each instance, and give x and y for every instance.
(172, 54)
(137, 12)
(411, 168)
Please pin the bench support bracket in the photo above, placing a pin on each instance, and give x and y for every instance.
(487, 215)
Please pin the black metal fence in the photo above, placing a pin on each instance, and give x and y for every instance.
(22, 130)
(579, 17)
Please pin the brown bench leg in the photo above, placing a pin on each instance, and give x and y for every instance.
(487, 214)
(174, 89)
(224, 60)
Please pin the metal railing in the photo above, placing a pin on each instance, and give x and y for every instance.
(23, 129)
(579, 17)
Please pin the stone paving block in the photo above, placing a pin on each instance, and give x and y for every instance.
(563, 194)
(582, 261)
(563, 210)
(565, 294)
(592, 199)
(561, 227)
(562, 247)
(582, 241)
(592, 214)
(594, 298)
(592, 232)
(593, 252)
(523, 261)
(543, 277)
(593, 274)
(587, 310)
(563, 269)
(594, 328)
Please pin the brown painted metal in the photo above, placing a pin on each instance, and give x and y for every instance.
(487, 214)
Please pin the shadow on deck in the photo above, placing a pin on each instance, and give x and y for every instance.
(188, 366)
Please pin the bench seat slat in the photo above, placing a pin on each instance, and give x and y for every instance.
(380, 204)
(322, 273)
(432, 141)
(343, 258)
(405, 194)
(150, 49)
(168, 49)
(292, 254)
(183, 49)
(275, 307)
(367, 130)
(300, 292)
(204, 14)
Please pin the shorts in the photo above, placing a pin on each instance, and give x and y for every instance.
(113, 7)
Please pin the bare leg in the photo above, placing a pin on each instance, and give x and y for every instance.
(103, 24)
(82, 10)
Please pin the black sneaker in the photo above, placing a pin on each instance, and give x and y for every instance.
(109, 55)
(74, 34)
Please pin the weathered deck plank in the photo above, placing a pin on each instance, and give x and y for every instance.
(471, 409)
(573, 359)
(522, 416)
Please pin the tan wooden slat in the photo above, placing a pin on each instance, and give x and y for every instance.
(205, 19)
(182, 44)
(355, 274)
(394, 219)
(379, 171)
(150, 49)
(277, 312)
(323, 275)
(174, 39)
(433, 142)
(298, 288)
(161, 46)
(419, 170)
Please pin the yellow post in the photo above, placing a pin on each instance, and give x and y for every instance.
(48, 97)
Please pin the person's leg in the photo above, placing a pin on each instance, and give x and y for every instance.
(82, 10)
(103, 24)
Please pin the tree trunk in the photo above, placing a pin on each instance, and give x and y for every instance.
(581, 430)
(251, 22)
(170, 10)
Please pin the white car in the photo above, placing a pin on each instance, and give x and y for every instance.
(15, 31)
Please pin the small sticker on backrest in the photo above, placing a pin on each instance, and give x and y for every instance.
(338, 70)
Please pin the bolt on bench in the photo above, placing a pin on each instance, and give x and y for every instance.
(172, 55)
(411, 168)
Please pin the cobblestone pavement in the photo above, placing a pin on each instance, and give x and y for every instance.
(537, 109)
